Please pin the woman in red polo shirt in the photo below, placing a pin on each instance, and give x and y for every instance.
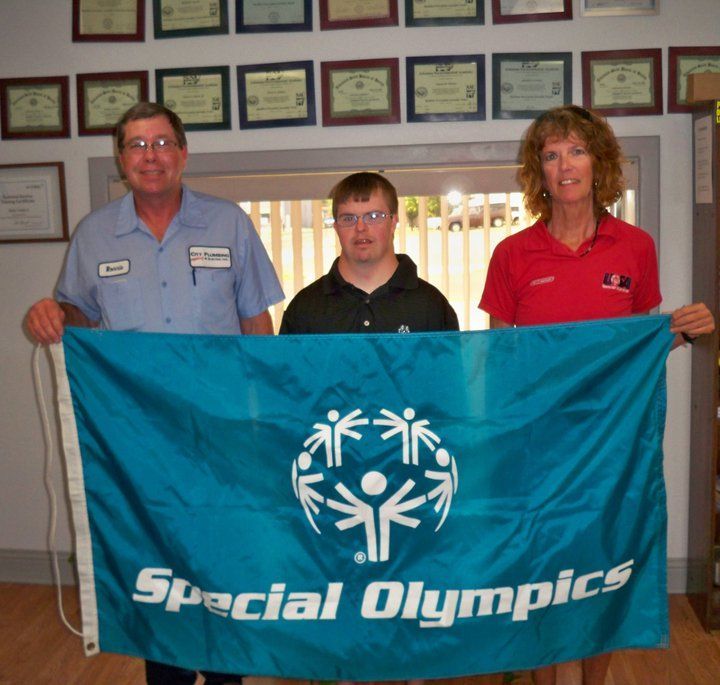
(577, 262)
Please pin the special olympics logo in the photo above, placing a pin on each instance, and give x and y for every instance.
(379, 502)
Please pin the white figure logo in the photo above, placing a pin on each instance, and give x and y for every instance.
(317, 485)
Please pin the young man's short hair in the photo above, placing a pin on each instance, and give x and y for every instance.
(360, 187)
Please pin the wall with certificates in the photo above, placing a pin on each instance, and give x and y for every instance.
(248, 76)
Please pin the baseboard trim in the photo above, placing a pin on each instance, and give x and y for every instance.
(35, 567)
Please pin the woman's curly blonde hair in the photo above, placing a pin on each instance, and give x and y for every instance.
(604, 149)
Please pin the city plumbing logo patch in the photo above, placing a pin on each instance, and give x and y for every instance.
(407, 479)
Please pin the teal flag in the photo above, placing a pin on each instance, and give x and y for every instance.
(369, 507)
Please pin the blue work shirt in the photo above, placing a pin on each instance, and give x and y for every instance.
(209, 271)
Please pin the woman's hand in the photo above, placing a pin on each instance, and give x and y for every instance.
(693, 320)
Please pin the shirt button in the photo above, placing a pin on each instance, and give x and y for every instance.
(367, 301)
(161, 249)
(366, 323)
(164, 284)
(168, 320)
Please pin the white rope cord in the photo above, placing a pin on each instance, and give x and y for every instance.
(39, 390)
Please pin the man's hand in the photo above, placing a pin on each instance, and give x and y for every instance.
(45, 321)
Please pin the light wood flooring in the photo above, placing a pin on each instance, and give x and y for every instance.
(36, 649)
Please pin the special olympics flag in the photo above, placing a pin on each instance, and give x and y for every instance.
(369, 507)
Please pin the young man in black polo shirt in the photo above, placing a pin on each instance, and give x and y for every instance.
(369, 289)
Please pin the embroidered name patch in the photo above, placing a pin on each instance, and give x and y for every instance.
(210, 257)
(119, 268)
(542, 281)
(616, 282)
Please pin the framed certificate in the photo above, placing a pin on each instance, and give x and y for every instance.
(103, 98)
(35, 107)
(444, 12)
(256, 16)
(351, 14)
(614, 8)
(200, 96)
(177, 18)
(108, 20)
(360, 92)
(280, 94)
(525, 84)
(445, 88)
(515, 11)
(686, 61)
(623, 82)
(33, 207)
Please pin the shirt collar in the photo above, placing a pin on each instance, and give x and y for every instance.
(540, 240)
(190, 213)
(404, 277)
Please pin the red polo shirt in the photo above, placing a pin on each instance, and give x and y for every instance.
(535, 279)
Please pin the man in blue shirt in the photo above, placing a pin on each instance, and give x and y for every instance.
(163, 258)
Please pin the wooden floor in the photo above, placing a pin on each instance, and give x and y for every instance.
(35, 649)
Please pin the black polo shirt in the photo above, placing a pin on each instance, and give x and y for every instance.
(404, 304)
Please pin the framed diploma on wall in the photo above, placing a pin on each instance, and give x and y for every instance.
(104, 97)
(360, 92)
(257, 16)
(35, 107)
(623, 82)
(33, 207)
(279, 94)
(200, 96)
(108, 20)
(445, 88)
(351, 14)
(179, 18)
(516, 11)
(444, 12)
(525, 84)
(684, 62)
(616, 8)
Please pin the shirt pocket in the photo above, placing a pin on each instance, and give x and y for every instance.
(121, 304)
(214, 301)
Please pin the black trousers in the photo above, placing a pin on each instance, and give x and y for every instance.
(163, 674)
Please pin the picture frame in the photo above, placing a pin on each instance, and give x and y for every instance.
(261, 16)
(102, 98)
(177, 19)
(33, 203)
(684, 61)
(623, 82)
(278, 94)
(360, 92)
(526, 84)
(618, 8)
(520, 11)
(200, 96)
(445, 88)
(444, 13)
(36, 107)
(350, 14)
(94, 21)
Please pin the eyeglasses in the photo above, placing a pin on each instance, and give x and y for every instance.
(162, 146)
(369, 219)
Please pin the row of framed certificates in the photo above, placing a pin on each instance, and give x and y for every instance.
(124, 20)
(439, 88)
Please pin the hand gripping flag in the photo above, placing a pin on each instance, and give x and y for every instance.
(369, 507)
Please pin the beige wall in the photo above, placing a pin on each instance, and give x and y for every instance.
(35, 41)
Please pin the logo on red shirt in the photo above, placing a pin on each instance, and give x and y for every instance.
(616, 282)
